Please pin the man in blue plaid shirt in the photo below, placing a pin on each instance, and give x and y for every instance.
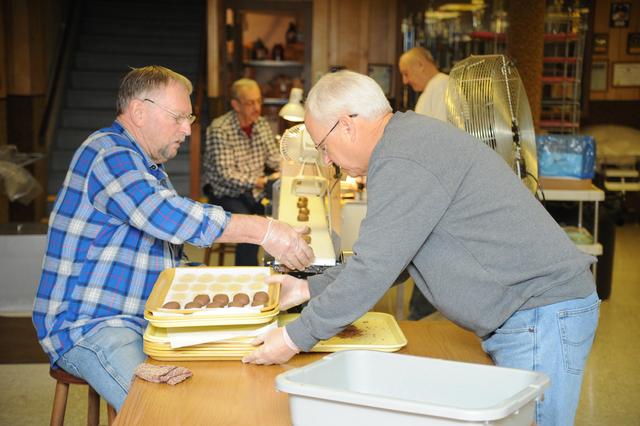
(117, 223)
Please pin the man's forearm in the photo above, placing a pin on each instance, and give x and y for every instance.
(244, 228)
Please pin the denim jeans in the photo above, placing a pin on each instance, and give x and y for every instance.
(246, 254)
(106, 360)
(555, 340)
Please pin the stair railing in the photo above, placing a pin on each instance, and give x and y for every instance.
(57, 78)
(196, 129)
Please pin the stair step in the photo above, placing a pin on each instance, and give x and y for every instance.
(70, 138)
(140, 9)
(54, 181)
(116, 61)
(60, 160)
(134, 45)
(162, 28)
(86, 118)
(92, 99)
(105, 80)
(97, 80)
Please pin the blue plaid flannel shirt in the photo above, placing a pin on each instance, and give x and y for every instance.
(116, 224)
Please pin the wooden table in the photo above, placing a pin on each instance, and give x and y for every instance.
(231, 393)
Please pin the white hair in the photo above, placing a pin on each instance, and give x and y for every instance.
(343, 93)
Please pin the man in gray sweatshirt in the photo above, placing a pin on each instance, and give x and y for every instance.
(447, 208)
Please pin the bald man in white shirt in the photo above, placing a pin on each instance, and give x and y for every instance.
(420, 72)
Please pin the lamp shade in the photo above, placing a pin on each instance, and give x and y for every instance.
(293, 110)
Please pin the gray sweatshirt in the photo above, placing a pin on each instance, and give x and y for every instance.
(449, 209)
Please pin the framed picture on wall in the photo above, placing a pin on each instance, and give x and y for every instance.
(620, 13)
(382, 74)
(599, 76)
(633, 44)
(600, 43)
(626, 74)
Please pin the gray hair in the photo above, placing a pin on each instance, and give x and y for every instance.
(417, 53)
(346, 92)
(241, 84)
(140, 81)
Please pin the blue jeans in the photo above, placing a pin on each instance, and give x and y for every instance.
(106, 360)
(555, 340)
(246, 254)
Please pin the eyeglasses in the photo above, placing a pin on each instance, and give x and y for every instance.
(321, 145)
(190, 118)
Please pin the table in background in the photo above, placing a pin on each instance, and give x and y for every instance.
(231, 393)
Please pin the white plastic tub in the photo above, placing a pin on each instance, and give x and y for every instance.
(378, 388)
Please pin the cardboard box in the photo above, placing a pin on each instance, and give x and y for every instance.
(564, 183)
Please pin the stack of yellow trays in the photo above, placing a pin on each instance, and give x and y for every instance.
(182, 285)
(374, 330)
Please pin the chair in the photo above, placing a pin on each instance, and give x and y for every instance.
(221, 249)
(63, 380)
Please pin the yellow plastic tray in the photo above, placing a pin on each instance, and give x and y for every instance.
(182, 284)
(377, 331)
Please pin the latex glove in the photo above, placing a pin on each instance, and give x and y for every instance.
(293, 291)
(277, 348)
(285, 243)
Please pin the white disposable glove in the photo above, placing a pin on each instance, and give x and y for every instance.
(286, 245)
(293, 291)
(277, 348)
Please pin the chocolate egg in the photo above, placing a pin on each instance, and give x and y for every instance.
(303, 210)
(236, 304)
(216, 304)
(202, 299)
(307, 238)
(260, 298)
(171, 305)
(241, 298)
(222, 298)
(193, 305)
(303, 217)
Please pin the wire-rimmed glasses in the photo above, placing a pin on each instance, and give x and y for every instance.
(190, 118)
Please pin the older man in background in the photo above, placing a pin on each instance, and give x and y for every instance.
(241, 160)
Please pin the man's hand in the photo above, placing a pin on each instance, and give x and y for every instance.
(286, 244)
(277, 348)
(293, 291)
(261, 182)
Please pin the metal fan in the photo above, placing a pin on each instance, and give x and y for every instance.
(296, 145)
(486, 98)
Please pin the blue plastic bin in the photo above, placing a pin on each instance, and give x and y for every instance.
(569, 156)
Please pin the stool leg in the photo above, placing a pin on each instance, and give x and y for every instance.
(221, 254)
(93, 415)
(59, 404)
(207, 256)
(111, 414)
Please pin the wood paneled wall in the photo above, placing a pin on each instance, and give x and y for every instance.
(353, 33)
(28, 36)
(617, 49)
(350, 33)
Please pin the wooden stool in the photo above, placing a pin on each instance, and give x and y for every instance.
(63, 380)
(221, 249)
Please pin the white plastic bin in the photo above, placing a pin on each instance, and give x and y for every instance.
(377, 388)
